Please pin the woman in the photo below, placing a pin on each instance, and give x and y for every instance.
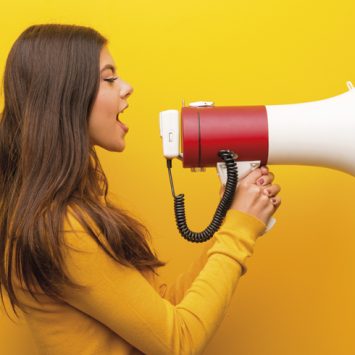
(81, 269)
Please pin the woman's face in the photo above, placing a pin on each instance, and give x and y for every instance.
(105, 129)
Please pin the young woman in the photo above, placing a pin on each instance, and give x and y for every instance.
(80, 269)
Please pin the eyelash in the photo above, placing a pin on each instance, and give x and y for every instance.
(111, 80)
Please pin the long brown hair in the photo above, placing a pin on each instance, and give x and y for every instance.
(47, 164)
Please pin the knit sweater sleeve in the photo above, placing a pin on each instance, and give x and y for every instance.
(123, 300)
(176, 290)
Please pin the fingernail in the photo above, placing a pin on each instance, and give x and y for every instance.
(260, 181)
(273, 200)
(267, 192)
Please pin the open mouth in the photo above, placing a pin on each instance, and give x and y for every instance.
(123, 126)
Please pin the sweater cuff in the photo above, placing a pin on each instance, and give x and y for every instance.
(236, 237)
(244, 222)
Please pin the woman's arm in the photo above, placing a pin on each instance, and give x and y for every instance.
(123, 300)
(174, 292)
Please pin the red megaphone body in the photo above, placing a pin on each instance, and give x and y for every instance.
(207, 130)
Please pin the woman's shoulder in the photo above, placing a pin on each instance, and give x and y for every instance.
(77, 236)
(74, 233)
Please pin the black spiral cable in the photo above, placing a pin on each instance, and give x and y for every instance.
(179, 203)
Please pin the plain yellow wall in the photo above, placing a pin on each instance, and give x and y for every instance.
(298, 296)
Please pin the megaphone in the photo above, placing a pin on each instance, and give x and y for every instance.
(238, 139)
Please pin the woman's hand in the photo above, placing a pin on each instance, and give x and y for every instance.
(256, 195)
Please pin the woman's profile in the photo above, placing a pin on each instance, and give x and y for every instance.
(81, 269)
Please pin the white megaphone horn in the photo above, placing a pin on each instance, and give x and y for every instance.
(319, 133)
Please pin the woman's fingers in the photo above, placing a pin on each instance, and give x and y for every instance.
(272, 190)
(265, 179)
(276, 201)
(264, 170)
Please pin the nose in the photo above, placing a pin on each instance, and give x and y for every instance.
(126, 90)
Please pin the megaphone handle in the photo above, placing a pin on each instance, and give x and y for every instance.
(245, 168)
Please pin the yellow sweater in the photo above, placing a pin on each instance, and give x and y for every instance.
(124, 311)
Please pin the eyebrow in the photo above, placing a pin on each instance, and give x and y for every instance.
(109, 66)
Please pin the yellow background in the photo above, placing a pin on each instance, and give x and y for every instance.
(298, 296)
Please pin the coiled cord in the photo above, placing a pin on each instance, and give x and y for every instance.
(179, 203)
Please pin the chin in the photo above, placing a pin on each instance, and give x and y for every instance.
(113, 148)
(121, 147)
(118, 149)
